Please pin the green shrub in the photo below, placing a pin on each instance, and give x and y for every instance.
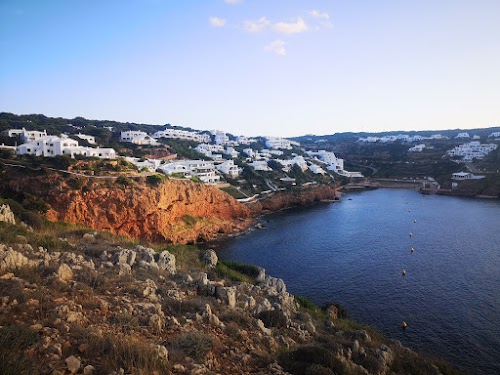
(273, 318)
(226, 272)
(155, 179)
(246, 269)
(124, 181)
(190, 220)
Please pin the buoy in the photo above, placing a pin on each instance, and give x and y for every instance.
(411, 235)
(414, 220)
(404, 272)
(404, 325)
(409, 210)
(412, 249)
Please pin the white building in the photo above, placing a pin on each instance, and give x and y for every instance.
(316, 169)
(494, 135)
(138, 138)
(417, 148)
(230, 151)
(460, 176)
(89, 138)
(52, 145)
(251, 153)
(26, 135)
(182, 134)
(210, 150)
(150, 164)
(260, 165)
(279, 143)
(297, 160)
(204, 170)
(229, 169)
(242, 140)
(220, 137)
(472, 150)
(463, 135)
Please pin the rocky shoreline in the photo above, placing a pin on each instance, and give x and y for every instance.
(73, 301)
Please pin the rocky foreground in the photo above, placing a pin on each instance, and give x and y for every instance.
(90, 303)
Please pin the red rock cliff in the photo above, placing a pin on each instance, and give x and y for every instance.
(174, 211)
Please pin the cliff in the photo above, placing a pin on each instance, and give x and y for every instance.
(303, 197)
(174, 211)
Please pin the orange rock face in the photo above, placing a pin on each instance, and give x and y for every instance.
(174, 211)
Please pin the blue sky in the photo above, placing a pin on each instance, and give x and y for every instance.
(255, 67)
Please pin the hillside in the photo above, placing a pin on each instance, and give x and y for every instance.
(76, 301)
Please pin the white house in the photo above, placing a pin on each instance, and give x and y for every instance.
(417, 148)
(209, 150)
(138, 138)
(182, 134)
(251, 153)
(220, 137)
(460, 176)
(242, 140)
(472, 150)
(89, 138)
(278, 143)
(202, 169)
(463, 135)
(494, 135)
(298, 160)
(230, 151)
(27, 135)
(150, 164)
(260, 165)
(314, 168)
(52, 145)
(229, 168)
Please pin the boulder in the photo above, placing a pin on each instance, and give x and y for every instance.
(64, 272)
(162, 353)
(6, 214)
(11, 259)
(125, 256)
(227, 295)
(73, 364)
(209, 258)
(166, 262)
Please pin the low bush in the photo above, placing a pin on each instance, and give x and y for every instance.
(273, 318)
(193, 344)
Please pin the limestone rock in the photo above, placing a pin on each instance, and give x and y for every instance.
(64, 272)
(166, 262)
(210, 258)
(73, 364)
(262, 327)
(227, 295)
(89, 370)
(125, 256)
(11, 259)
(6, 214)
(262, 274)
(162, 353)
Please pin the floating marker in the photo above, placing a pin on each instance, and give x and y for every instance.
(404, 325)
(409, 210)
(404, 272)
(411, 234)
(412, 249)
(414, 220)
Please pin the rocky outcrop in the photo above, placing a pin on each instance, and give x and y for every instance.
(174, 211)
(299, 197)
(6, 214)
(210, 258)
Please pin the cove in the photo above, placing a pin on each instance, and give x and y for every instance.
(353, 253)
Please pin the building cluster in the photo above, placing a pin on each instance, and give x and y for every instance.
(472, 150)
(417, 148)
(216, 146)
(39, 143)
(400, 137)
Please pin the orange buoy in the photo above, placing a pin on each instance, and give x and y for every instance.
(404, 325)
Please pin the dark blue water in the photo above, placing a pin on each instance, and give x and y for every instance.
(353, 252)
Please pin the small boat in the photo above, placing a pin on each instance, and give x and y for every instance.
(404, 325)
(411, 234)
(412, 249)
(404, 272)
(414, 220)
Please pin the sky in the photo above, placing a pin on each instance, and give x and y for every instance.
(255, 67)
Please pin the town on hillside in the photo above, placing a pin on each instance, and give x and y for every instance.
(248, 167)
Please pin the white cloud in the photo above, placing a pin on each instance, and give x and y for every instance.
(233, 1)
(257, 26)
(299, 26)
(277, 46)
(217, 22)
(317, 14)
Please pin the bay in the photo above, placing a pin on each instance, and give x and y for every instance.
(354, 253)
